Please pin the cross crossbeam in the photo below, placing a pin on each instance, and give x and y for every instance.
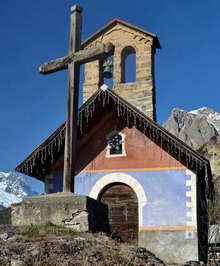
(99, 52)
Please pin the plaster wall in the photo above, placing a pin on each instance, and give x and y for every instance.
(166, 190)
(167, 199)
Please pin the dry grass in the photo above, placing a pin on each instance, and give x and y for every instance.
(35, 231)
(53, 245)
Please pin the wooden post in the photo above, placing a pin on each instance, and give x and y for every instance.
(73, 61)
(72, 104)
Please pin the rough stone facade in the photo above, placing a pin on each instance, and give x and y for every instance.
(78, 212)
(126, 40)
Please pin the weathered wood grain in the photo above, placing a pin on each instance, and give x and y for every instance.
(101, 51)
(123, 211)
(70, 155)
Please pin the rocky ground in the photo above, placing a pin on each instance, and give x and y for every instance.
(52, 245)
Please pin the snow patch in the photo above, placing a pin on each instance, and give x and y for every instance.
(13, 187)
(212, 117)
(6, 199)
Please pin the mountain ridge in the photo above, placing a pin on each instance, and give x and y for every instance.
(196, 127)
(13, 187)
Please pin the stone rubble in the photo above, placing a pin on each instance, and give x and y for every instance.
(62, 250)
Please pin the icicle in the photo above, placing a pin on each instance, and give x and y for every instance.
(207, 189)
(161, 146)
(99, 97)
(91, 109)
(149, 132)
(200, 165)
(156, 134)
(54, 143)
(115, 100)
(176, 148)
(139, 122)
(45, 153)
(78, 119)
(168, 145)
(51, 153)
(145, 128)
(153, 134)
(26, 169)
(127, 117)
(58, 142)
(108, 97)
(187, 157)
(86, 114)
(123, 110)
(48, 147)
(104, 98)
(42, 160)
(118, 107)
(80, 122)
(129, 114)
(31, 167)
(196, 166)
(190, 159)
(135, 119)
(192, 162)
(34, 160)
(172, 147)
(93, 106)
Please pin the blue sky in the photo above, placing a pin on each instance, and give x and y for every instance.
(33, 32)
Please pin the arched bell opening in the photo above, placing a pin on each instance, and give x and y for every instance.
(122, 202)
(106, 71)
(128, 65)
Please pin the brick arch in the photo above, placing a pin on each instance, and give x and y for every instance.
(126, 179)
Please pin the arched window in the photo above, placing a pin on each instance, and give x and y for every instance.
(115, 144)
(128, 65)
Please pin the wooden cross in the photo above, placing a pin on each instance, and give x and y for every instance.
(72, 62)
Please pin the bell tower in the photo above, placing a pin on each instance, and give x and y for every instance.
(127, 39)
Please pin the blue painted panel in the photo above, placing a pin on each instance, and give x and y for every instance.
(165, 192)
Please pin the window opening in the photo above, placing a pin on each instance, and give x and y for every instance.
(116, 144)
(128, 63)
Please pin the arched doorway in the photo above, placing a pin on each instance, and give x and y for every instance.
(123, 210)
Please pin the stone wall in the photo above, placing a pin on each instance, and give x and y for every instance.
(5, 215)
(141, 92)
(78, 212)
(171, 246)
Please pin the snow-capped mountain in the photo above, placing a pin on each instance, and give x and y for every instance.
(212, 116)
(13, 187)
(196, 127)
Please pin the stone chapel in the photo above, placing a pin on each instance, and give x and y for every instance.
(156, 187)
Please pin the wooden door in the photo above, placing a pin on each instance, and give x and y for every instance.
(123, 211)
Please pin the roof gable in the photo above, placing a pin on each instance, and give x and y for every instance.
(114, 22)
(93, 109)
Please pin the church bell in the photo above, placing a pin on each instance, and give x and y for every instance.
(107, 68)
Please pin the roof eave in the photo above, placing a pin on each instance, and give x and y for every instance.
(132, 109)
(118, 21)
